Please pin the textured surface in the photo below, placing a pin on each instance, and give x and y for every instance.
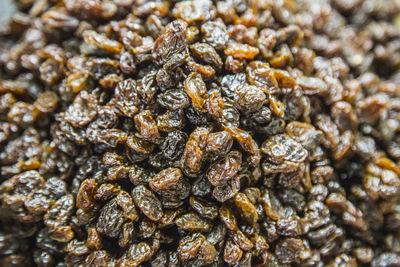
(200, 133)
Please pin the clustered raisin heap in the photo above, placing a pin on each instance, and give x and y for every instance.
(200, 133)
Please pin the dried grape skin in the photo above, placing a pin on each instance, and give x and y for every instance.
(204, 208)
(192, 161)
(207, 54)
(110, 219)
(232, 253)
(192, 222)
(241, 51)
(287, 250)
(85, 196)
(101, 41)
(281, 148)
(173, 42)
(247, 209)
(215, 34)
(228, 218)
(173, 99)
(249, 98)
(196, 89)
(225, 169)
(147, 202)
(173, 145)
(146, 126)
(190, 245)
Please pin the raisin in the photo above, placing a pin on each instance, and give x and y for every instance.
(93, 240)
(125, 202)
(146, 126)
(166, 179)
(281, 148)
(215, 34)
(85, 196)
(147, 202)
(232, 253)
(127, 98)
(47, 102)
(136, 254)
(287, 250)
(219, 143)
(102, 42)
(204, 208)
(225, 169)
(189, 246)
(226, 190)
(173, 145)
(173, 99)
(228, 218)
(207, 54)
(192, 222)
(241, 51)
(83, 110)
(194, 10)
(196, 90)
(171, 43)
(171, 121)
(249, 98)
(138, 149)
(110, 219)
(246, 208)
(192, 161)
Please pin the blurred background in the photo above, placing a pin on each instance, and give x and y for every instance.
(6, 10)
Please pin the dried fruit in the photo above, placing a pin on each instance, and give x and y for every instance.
(200, 133)
(225, 169)
(147, 202)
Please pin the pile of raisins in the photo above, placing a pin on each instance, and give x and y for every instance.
(200, 133)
